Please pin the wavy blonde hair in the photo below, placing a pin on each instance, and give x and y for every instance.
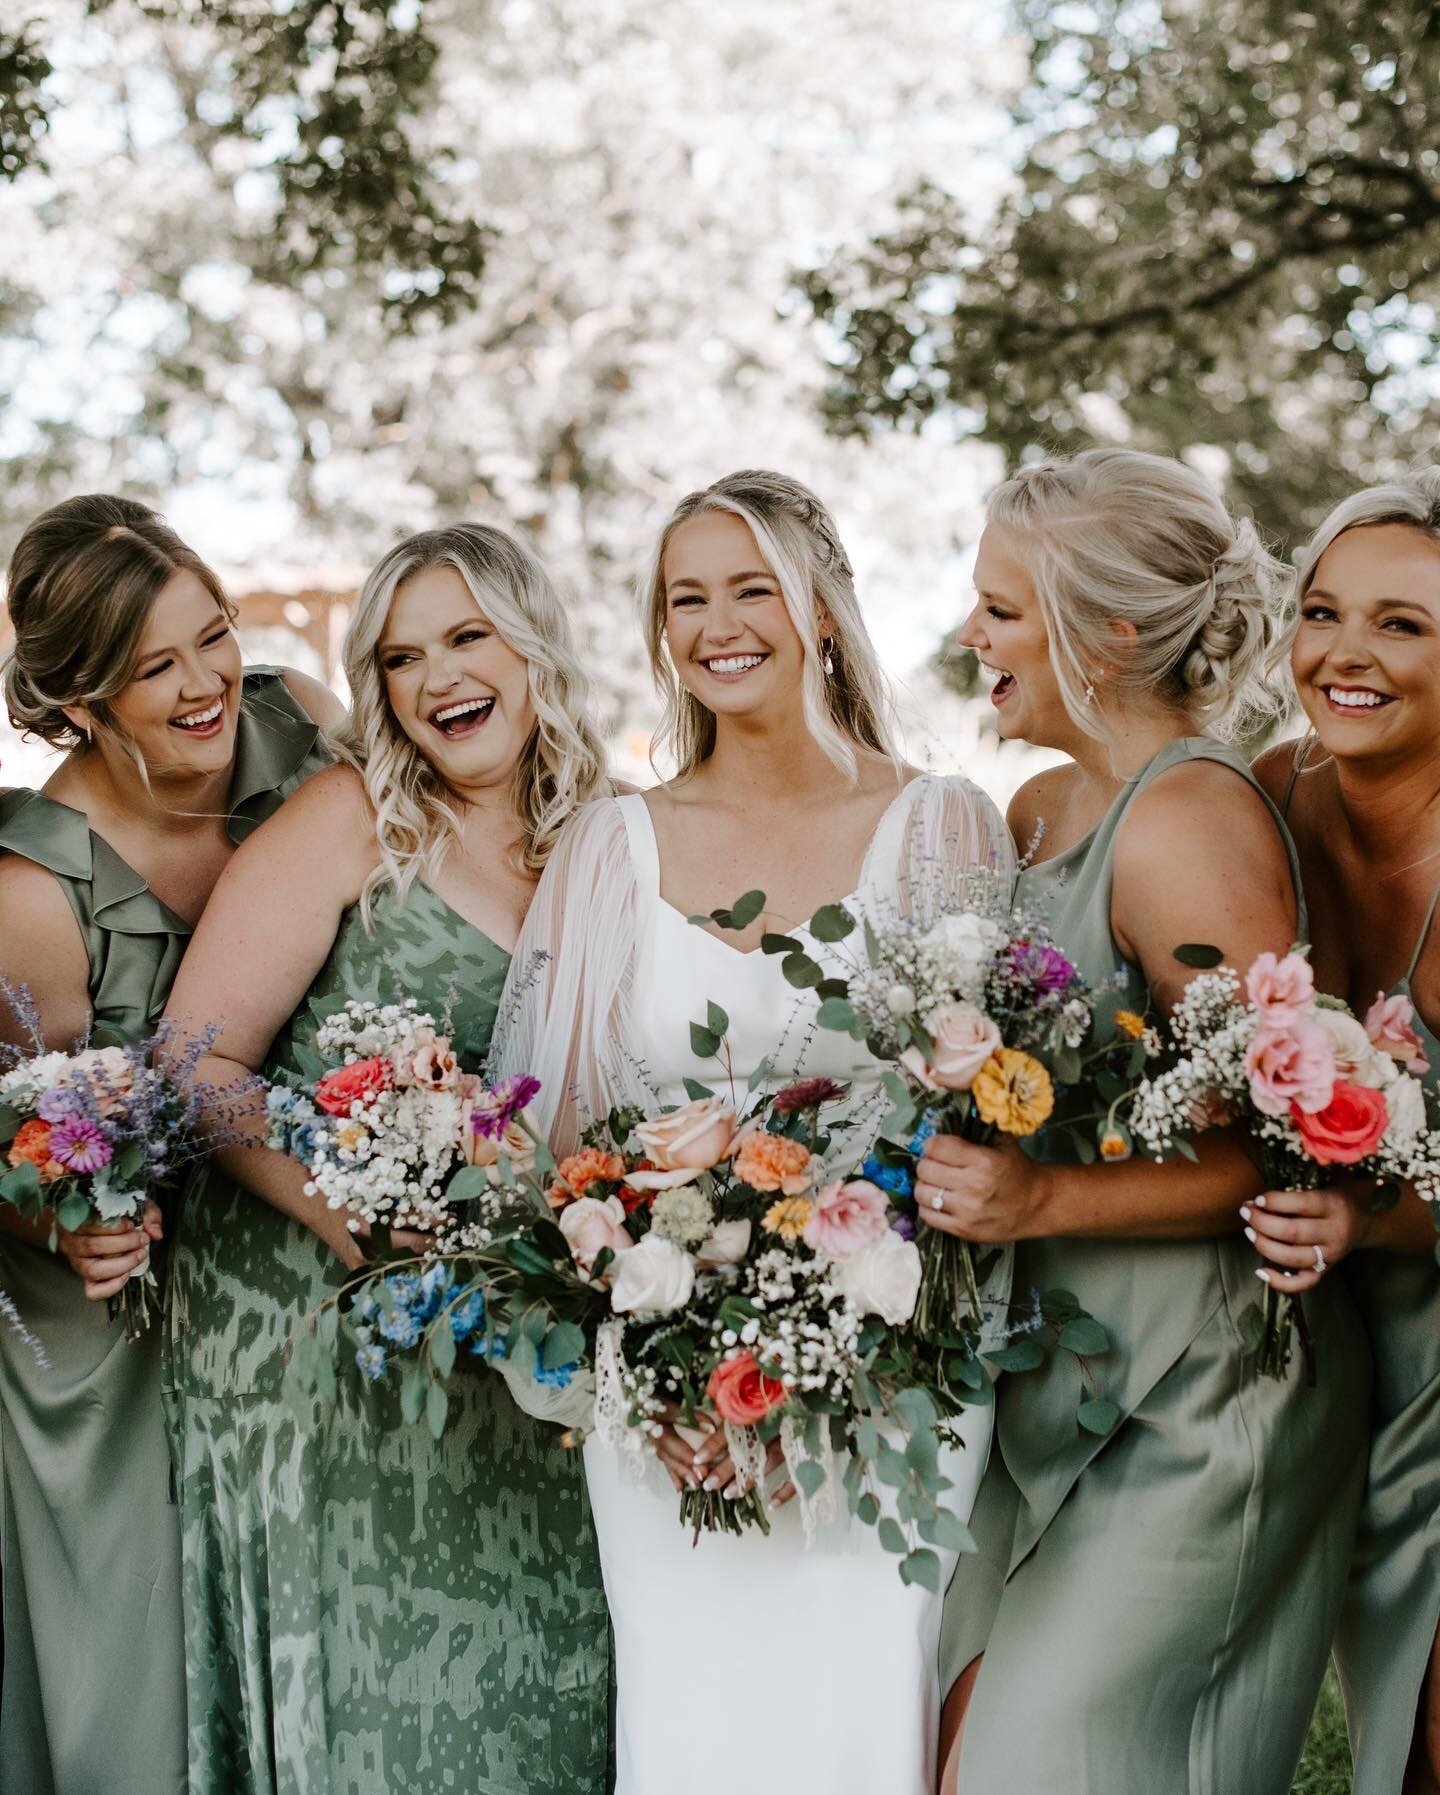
(562, 763)
(1413, 500)
(1118, 535)
(848, 709)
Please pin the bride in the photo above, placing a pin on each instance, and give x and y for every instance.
(748, 1661)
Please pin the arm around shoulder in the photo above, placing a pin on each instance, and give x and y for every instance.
(317, 701)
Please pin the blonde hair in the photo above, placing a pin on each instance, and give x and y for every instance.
(1117, 535)
(846, 709)
(562, 762)
(1413, 500)
(82, 583)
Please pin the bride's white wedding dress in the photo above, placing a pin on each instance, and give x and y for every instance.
(743, 1663)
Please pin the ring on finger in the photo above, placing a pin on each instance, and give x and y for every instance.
(938, 1200)
(1320, 1260)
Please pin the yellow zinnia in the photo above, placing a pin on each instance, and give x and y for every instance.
(788, 1217)
(1013, 1092)
(1128, 1023)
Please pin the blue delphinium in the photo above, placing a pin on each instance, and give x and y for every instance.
(557, 1377)
(370, 1357)
(468, 1316)
(896, 1179)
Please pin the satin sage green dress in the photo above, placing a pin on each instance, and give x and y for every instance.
(1392, 1606)
(1156, 1607)
(94, 1687)
(368, 1610)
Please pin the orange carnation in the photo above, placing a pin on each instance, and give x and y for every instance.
(578, 1171)
(31, 1146)
(773, 1162)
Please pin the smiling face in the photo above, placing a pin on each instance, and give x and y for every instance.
(457, 689)
(1366, 655)
(180, 706)
(726, 623)
(1007, 632)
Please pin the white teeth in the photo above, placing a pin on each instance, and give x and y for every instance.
(198, 719)
(735, 663)
(462, 710)
(1356, 699)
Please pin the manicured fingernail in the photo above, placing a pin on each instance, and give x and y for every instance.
(731, 1491)
(1244, 1212)
(1263, 1276)
(1250, 1235)
(713, 1483)
(1259, 1202)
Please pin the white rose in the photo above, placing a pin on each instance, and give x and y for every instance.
(1357, 1059)
(654, 1278)
(965, 940)
(728, 1244)
(1405, 1099)
(882, 1280)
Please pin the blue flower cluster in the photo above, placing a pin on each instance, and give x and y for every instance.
(409, 1303)
(899, 1180)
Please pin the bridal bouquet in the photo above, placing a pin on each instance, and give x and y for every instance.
(388, 1118)
(92, 1136)
(1312, 1085)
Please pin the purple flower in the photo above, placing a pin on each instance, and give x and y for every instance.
(59, 1104)
(1045, 968)
(80, 1146)
(903, 1225)
(493, 1112)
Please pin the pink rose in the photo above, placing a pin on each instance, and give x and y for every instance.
(847, 1217)
(1390, 1024)
(1347, 1129)
(590, 1225)
(1281, 990)
(962, 1039)
(1292, 1065)
(689, 1139)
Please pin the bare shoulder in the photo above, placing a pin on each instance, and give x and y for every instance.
(1039, 799)
(1198, 814)
(326, 825)
(317, 701)
(42, 950)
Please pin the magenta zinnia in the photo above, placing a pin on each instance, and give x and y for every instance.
(80, 1145)
(493, 1113)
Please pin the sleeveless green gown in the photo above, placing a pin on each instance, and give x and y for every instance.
(1392, 1606)
(94, 1688)
(1156, 1607)
(369, 1611)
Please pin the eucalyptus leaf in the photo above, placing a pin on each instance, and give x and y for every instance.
(946, 1530)
(746, 908)
(1098, 1415)
(801, 971)
(761, 1073)
(1198, 954)
(892, 1536)
(696, 1091)
(564, 1345)
(704, 1043)
(780, 944)
(809, 1476)
(832, 922)
(73, 1210)
(923, 1567)
(437, 1405)
(469, 1182)
(442, 1346)
(1084, 1335)
(1019, 1355)
(837, 1013)
(716, 1019)
(412, 1391)
(867, 1509)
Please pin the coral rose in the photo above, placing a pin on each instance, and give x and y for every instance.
(769, 1162)
(689, 1139)
(1349, 1128)
(847, 1217)
(740, 1394)
(1281, 990)
(339, 1091)
(1390, 1024)
(1294, 1065)
(31, 1146)
(590, 1225)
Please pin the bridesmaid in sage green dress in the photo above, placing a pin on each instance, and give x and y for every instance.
(369, 1610)
(121, 635)
(1362, 795)
(1154, 1607)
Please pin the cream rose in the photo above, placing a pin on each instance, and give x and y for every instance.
(109, 1074)
(882, 1280)
(728, 1244)
(654, 1278)
(1357, 1059)
(514, 1145)
(689, 1139)
(962, 1039)
(590, 1225)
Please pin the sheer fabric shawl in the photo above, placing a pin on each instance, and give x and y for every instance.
(566, 1017)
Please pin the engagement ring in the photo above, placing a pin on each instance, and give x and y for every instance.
(937, 1201)
(1319, 1258)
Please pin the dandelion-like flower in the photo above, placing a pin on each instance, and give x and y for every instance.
(684, 1215)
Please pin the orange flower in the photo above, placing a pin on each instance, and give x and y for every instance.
(1128, 1023)
(1013, 1092)
(31, 1146)
(773, 1162)
(578, 1171)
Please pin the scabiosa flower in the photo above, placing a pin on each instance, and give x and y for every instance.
(683, 1215)
(80, 1145)
(806, 1093)
(497, 1108)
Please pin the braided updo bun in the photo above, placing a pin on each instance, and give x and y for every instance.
(1117, 536)
(846, 708)
(81, 585)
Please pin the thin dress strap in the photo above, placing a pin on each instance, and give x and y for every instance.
(1424, 931)
(1297, 765)
(640, 833)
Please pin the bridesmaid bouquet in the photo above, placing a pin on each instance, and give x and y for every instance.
(91, 1136)
(1312, 1085)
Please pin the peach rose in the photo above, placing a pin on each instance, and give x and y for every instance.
(31, 1146)
(740, 1394)
(1349, 1128)
(514, 1145)
(1295, 1065)
(962, 1039)
(1281, 990)
(1390, 1024)
(847, 1217)
(590, 1225)
(339, 1091)
(769, 1162)
(689, 1139)
(108, 1071)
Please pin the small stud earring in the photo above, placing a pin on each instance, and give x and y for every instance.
(1090, 694)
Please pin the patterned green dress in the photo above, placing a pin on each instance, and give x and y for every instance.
(369, 1611)
(94, 1687)
(1156, 1607)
